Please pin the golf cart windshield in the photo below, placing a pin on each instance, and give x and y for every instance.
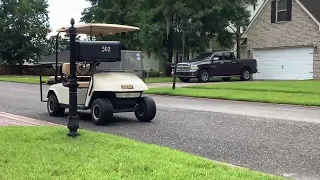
(131, 61)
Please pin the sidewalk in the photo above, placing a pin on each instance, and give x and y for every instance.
(7, 119)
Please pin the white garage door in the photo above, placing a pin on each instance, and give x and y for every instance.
(284, 64)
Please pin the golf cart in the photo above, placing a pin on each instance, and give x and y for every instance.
(110, 79)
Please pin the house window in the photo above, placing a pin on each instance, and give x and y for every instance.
(281, 10)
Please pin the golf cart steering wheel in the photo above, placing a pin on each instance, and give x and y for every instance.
(83, 68)
(86, 68)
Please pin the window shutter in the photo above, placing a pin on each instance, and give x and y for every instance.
(273, 11)
(289, 10)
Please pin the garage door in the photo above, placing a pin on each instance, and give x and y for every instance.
(284, 64)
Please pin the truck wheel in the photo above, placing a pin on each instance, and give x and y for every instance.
(101, 111)
(245, 74)
(53, 106)
(203, 76)
(146, 109)
(226, 78)
(184, 79)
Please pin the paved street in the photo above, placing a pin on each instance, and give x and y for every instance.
(276, 139)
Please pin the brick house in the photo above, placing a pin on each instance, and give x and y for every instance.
(284, 38)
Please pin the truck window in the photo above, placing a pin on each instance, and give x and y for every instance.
(227, 56)
(219, 55)
(199, 57)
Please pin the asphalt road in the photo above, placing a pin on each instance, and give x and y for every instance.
(276, 139)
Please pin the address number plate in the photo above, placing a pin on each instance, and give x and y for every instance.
(126, 87)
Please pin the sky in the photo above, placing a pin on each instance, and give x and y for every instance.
(61, 12)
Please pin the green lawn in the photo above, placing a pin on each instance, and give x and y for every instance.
(308, 86)
(23, 79)
(282, 92)
(160, 80)
(47, 153)
(35, 79)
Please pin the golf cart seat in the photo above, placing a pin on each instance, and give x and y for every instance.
(83, 80)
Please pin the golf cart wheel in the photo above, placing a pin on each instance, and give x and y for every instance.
(101, 111)
(245, 74)
(146, 109)
(184, 79)
(53, 106)
(203, 76)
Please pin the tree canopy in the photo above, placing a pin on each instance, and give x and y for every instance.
(165, 25)
(63, 44)
(190, 24)
(24, 25)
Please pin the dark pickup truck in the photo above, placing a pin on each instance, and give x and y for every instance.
(221, 64)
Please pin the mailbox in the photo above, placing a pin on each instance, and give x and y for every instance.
(103, 51)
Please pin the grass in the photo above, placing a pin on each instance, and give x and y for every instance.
(306, 86)
(279, 92)
(160, 80)
(35, 79)
(47, 153)
(23, 79)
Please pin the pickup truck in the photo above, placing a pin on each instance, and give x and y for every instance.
(222, 64)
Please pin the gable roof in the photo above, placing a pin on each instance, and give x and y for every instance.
(311, 7)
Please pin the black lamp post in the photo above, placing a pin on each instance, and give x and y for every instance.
(73, 124)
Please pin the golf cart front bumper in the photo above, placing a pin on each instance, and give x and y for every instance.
(187, 74)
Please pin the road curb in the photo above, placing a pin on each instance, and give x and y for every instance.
(12, 119)
(239, 101)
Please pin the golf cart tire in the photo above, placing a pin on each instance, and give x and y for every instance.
(54, 110)
(184, 79)
(105, 111)
(201, 75)
(149, 109)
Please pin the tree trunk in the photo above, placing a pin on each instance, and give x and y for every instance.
(170, 47)
(238, 34)
(122, 16)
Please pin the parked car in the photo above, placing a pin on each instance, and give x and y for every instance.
(223, 64)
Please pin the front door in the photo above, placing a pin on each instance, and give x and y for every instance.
(216, 66)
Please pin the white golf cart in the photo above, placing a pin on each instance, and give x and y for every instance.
(106, 86)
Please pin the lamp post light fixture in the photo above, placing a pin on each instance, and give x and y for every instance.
(73, 124)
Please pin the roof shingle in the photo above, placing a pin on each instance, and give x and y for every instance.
(313, 6)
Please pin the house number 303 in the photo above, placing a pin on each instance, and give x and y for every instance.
(106, 49)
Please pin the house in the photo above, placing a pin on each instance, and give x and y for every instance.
(284, 37)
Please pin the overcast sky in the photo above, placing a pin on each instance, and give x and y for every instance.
(61, 12)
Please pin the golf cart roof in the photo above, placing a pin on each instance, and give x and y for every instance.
(99, 28)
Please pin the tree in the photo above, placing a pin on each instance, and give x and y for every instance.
(63, 44)
(241, 22)
(167, 25)
(113, 12)
(196, 24)
(24, 25)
